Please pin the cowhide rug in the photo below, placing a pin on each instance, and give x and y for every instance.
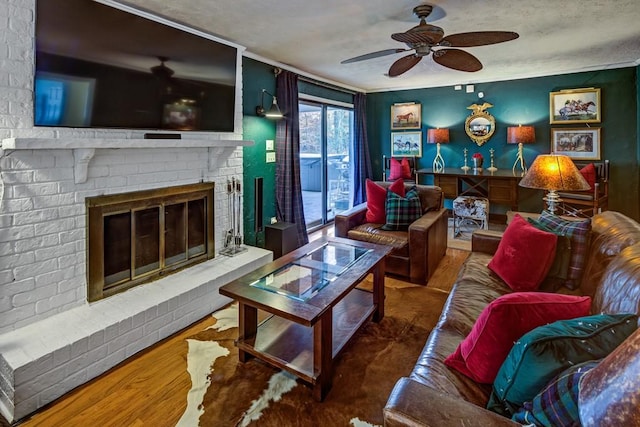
(226, 392)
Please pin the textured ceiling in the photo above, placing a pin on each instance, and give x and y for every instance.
(313, 37)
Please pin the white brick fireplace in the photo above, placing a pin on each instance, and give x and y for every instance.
(51, 338)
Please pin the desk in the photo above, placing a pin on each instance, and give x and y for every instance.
(500, 187)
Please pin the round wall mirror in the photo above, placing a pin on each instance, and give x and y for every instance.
(480, 125)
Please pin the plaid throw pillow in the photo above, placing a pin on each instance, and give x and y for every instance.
(557, 403)
(402, 211)
(578, 233)
(559, 271)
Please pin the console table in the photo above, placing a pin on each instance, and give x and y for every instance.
(500, 187)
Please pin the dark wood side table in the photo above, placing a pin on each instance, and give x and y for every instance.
(500, 187)
(280, 238)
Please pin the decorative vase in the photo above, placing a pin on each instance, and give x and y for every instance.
(477, 163)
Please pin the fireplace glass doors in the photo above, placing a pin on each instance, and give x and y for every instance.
(137, 237)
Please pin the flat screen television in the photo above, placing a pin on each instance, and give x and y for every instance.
(100, 66)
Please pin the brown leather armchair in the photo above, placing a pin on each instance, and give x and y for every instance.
(418, 250)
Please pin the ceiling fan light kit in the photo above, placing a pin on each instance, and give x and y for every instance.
(425, 39)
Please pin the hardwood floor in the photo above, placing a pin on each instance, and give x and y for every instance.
(150, 388)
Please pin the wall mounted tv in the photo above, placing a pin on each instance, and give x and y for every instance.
(100, 66)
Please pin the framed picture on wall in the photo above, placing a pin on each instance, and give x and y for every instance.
(577, 143)
(575, 106)
(406, 144)
(406, 116)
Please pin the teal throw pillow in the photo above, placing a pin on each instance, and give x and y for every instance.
(559, 271)
(546, 351)
(557, 403)
(579, 233)
(402, 211)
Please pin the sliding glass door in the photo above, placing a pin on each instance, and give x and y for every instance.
(326, 138)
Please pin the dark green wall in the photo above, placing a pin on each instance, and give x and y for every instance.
(515, 102)
(523, 101)
(257, 76)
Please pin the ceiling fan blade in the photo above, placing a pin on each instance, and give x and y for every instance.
(403, 65)
(373, 55)
(478, 38)
(457, 59)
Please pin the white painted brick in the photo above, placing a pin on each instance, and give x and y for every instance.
(62, 355)
(55, 227)
(55, 252)
(53, 175)
(6, 276)
(37, 242)
(10, 286)
(15, 233)
(64, 161)
(59, 299)
(17, 177)
(36, 269)
(18, 259)
(6, 221)
(53, 201)
(112, 182)
(53, 277)
(36, 216)
(5, 304)
(39, 294)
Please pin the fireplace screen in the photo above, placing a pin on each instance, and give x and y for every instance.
(137, 237)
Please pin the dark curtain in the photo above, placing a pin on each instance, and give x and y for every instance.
(289, 206)
(361, 164)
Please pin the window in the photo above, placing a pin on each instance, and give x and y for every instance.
(326, 140)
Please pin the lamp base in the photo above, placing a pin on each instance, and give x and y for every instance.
(553, 199)
(520, 160)
(438, 161)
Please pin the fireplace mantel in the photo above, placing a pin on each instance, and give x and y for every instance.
(84, 148)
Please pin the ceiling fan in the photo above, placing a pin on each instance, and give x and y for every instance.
(162, 71)
(423, 38)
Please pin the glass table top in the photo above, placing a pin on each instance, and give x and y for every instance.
(306, 276)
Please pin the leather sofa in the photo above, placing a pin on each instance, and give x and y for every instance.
(417, 251)
(435, 395)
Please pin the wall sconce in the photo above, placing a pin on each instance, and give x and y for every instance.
(554, 172)
(520, 135)
(273, 112)
(438, 136)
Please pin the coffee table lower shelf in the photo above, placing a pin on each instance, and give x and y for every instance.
(290, 346)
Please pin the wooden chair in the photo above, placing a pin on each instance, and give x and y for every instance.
(591, 202)
(386, 167)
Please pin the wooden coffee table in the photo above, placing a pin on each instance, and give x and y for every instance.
(312, 305)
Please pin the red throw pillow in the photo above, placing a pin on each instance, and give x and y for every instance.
(524, 255)
(400, 170)
(589, 174)
(376, 197)
(505, 320)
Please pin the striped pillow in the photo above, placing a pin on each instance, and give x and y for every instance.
(557, 403)
(402, 211)
(578, 233)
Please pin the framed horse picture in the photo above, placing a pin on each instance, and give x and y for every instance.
(575, 106)
(577, 143)
(405, 144)
(406, 116)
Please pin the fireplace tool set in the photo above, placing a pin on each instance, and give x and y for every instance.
(233, 238)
